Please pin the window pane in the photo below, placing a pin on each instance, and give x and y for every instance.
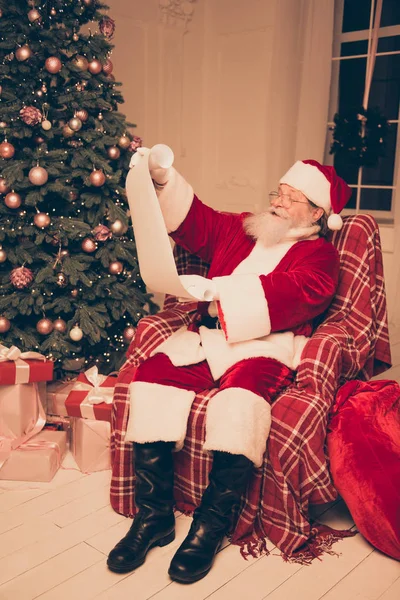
(385, 87)
(354, 48)
(351, 84)
(389, 44)
(383, 173)
(374, 199)
(352, 203)
(390, 13)
(346, 170)
(356, 15)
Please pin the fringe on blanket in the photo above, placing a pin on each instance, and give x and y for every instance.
(320, 542)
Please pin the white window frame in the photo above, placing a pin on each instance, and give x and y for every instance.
(382, 216)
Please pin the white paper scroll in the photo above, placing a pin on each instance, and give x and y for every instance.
(156, 260)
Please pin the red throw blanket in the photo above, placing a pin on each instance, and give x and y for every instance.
(351, 342)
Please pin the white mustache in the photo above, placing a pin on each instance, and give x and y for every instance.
(280, 212)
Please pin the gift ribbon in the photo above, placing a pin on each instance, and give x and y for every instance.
(10, 441)
(39, 445)
(96, 395)
(22, 368)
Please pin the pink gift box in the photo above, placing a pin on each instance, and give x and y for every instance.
(19, 408)
(91, 444)
(57, 393)
(37, 460)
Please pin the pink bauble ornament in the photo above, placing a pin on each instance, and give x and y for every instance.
(38, 176)
(13, 200)
(88, 245)
(53, 65)
(7, 150)
(97, 178)
(44, 326)
(4, 325)
(23, 53)
(60, 325)
(41, 220)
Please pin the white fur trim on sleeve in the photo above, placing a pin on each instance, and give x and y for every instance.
(175, 199)
(183, 348)
(244, 307)
(238, 421)
(158, 413)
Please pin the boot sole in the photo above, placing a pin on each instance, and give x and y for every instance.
(189, 579)
(132, 566)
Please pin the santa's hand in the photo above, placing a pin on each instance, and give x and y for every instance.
(160, 159)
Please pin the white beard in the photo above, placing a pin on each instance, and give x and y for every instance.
(272, 226)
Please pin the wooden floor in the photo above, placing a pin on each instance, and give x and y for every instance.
(54, 539)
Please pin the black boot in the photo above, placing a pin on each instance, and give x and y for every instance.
(154, 524)
(212, 519)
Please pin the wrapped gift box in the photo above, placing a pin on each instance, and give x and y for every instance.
(91, 444)
(23, 367)
(20, 407)
(37, 460)
(91, 396)
(57, 394)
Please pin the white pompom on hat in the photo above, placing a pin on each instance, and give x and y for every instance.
(322, 186)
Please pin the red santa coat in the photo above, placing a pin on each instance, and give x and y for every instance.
(268, 297)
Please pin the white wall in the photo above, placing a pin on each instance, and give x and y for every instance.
(238, 88)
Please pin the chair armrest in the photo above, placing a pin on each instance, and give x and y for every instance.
(153, 330)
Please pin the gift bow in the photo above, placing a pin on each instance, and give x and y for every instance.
(22, 368)
(96, 394)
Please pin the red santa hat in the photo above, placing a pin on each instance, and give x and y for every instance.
(322, 186)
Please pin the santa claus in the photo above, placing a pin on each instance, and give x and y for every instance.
(272, 273)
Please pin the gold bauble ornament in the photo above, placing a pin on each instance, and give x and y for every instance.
(44, 88)
(4, 325)
(41, 220)
(88, 2)
(39, 93)
(46, 125)
(95, 67)
(4, 187)
(116, 267)
(34, 15)
(3, 124)
(13, 200)
(108, 67)
(7, 150)
(97, 178)
(88, 245)
(128, 333)
(75, 124)
(113, 152)
(53, 12)
(82, 114)
(64, 253)
(60, 325)
(118, 227)
(23, 53)
(3, 255)
(81, 63)
(100, 116)
(44, 326)
(74, 293)
(76, 334)
(72, 195)
(67, 131)
(124, 142)
(53, 65)
(38, 176)
(75, 37)
(61, 279)
(39, 140)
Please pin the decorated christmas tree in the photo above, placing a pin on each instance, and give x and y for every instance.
(69, 281)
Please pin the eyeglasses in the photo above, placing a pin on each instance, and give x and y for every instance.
(284, 199)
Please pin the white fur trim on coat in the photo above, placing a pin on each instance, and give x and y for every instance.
(309, 180)
(158, 413)
(183, 348)
(221, 355)
(175, 199)
(238, 421)
(244, 307)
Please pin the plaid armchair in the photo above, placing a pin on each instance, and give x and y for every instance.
(350, 342)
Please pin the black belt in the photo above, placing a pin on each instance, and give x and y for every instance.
(210, 322)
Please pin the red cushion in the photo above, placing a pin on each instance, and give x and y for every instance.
(364, 451)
